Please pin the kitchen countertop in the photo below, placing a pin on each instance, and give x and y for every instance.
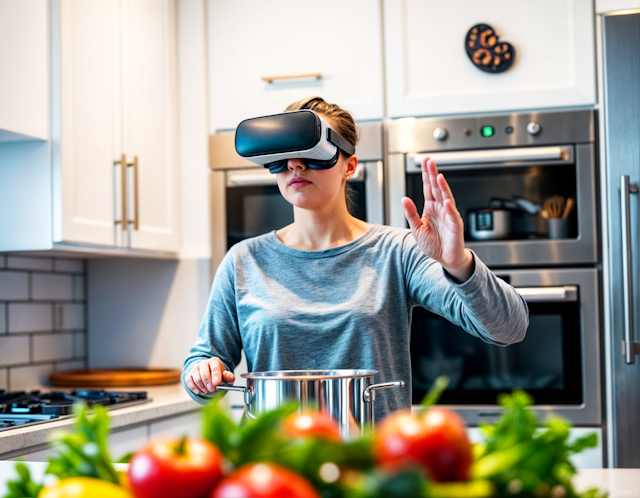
(618, 482)
(166, 401)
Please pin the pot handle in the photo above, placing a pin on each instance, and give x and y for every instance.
(247, 394)
(370, 392)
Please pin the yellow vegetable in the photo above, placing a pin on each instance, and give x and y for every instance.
(84, 487)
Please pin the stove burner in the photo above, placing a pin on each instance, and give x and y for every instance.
(21, 407)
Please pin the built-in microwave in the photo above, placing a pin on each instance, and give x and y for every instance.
(558, 362)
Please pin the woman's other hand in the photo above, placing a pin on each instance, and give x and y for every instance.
(440, 231)
(205, 376)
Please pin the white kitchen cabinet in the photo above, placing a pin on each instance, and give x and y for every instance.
(429, 73)
(24, 80)
(89, 117)
(117, 98)
(606, 6)
(189, 425)
(252, 39)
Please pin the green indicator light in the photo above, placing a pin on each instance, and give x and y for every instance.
(487, 131)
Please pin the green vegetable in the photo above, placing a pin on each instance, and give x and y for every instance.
(84, 451)
(523, 460)
(23, 486)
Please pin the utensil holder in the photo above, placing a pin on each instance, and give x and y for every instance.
(558, 228)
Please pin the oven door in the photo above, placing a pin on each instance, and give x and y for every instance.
(558, 363)
(254, 205)
(477, 177)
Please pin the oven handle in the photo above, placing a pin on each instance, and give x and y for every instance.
(254, 178)
(479, 157)
(257, 178)
(564, 294)
(630, 347)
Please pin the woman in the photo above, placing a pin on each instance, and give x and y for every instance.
(332, 291)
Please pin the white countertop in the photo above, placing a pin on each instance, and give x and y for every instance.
(166, 401)
(618, 482)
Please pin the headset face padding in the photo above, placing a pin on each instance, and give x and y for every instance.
(281, 165)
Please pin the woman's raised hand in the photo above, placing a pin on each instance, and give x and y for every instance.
(205, 376)
(440, 231)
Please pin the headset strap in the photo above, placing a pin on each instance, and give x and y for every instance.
(341, 143)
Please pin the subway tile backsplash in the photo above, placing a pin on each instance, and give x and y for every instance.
(42, 319)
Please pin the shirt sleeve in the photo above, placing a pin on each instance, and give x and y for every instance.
(219, 333)
(485, 306)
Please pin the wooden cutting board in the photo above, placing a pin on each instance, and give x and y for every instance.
(115, 377)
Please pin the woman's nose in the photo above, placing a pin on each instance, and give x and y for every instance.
(296, 164)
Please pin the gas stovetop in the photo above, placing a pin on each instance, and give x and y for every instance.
(20, 408)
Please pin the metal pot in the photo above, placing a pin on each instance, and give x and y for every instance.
(490, 223)
(347, 396)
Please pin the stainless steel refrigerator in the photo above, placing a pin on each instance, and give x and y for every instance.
(621, 61)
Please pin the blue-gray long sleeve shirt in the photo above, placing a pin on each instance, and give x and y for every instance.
(344, 307)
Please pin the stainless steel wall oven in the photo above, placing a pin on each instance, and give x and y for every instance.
(501, 165)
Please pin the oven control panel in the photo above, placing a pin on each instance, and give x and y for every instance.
(490, 131)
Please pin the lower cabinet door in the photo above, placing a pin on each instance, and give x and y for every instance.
(189, 425)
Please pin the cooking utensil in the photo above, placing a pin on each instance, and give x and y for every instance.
(347, 396)
(115, 377)
(568, 208)
(554, 206)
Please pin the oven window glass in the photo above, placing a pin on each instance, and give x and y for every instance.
(256, 210)
(547, 364)
(475, 187)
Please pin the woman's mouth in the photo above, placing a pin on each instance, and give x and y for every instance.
(299, 182)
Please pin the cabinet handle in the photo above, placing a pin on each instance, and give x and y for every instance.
(136, 217)
(271, 79)
(122, 162)
(630, 348)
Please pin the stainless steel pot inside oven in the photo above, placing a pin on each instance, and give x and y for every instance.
(347, 396)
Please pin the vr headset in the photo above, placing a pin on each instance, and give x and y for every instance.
(272, 140)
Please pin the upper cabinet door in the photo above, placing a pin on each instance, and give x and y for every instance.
(24, 75)
(150, 118)
(428, 71)
(86, 117)
(250, 40)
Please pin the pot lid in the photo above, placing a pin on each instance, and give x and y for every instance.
(308, 374)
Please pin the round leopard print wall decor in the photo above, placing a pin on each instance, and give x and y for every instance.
(486, 51)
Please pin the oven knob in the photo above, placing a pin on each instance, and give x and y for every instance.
(534, 128)
(440, 133)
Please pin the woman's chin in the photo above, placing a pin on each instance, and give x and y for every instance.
(305, 202)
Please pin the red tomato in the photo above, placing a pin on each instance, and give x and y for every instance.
(437, 442)
(168, 468)
(312, 424)
(264, 480)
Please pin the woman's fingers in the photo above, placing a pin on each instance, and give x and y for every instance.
(426, 182)
(207, 375)
(445, 189)
(411, 213)
(197, 378)
(433, 180)
(191, 385)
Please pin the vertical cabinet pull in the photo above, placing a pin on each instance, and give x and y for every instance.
(124, 221)
(136, 216)
(122, 163)
(629, 346)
